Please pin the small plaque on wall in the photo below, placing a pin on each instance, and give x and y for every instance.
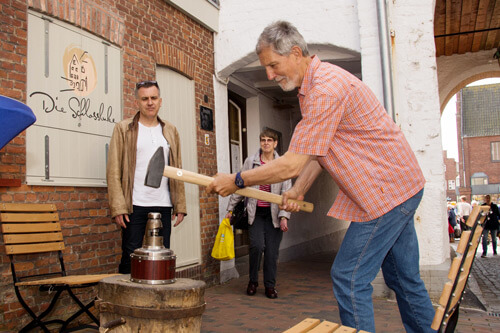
(206, 118)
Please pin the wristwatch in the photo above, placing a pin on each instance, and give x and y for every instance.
(238, 181)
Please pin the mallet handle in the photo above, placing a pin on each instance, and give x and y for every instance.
(198, 179)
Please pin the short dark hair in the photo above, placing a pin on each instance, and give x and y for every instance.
(145, 84)
(268, 133)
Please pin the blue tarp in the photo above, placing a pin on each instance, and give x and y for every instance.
(15, 117)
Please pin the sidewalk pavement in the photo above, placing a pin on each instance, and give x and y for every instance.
(305, 290)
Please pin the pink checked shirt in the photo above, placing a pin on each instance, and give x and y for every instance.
(356, 141)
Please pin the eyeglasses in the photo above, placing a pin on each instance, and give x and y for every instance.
(146, 84)
(266, 140)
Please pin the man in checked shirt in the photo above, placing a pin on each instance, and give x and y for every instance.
(346, 131)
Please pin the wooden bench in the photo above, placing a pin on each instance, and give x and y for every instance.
(311, 325)
(35, 229)
(446, 316)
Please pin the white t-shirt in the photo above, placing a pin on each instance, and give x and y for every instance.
(148, 141)
(464, 209)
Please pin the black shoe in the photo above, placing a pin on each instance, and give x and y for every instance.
(252, 288)
(483, 255)
(271, 293)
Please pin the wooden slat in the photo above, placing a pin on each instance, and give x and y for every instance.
(325, 327)
(345, 329)
(455, 266)
(30, 227)
(464, 241)
(446, 293)
(34, 248)
(32, 238)
(304, 326)
(467, 263)
(477, 234)
(23, 207)
(68, 280)
(438, 317)
(457, 293)
(26, 217)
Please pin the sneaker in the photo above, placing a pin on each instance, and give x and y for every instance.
(483, 255)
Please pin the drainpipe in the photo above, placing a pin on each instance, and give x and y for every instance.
(462, 141)
(385, 55)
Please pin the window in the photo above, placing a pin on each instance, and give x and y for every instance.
(479, 178)
(495, 151)
(74, 89)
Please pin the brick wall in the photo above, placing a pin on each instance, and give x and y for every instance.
(141, 28)
(475, 155)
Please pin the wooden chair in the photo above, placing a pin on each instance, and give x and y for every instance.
(35, 229)
(446, 316)
(312, 325)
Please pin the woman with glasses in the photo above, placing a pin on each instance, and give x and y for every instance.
(266, 221)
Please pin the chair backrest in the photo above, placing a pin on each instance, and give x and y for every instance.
(30, 228)
(458, 274)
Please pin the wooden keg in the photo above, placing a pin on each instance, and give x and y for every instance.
(175, 307)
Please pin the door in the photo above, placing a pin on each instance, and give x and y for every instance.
(237, 142)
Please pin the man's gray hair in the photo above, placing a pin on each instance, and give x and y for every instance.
(281, 36)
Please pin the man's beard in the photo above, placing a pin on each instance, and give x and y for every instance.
(289, 85)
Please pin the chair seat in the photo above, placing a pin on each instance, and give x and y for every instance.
(71, 280)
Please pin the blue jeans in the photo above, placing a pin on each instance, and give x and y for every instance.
(493, 233)
(388, 242)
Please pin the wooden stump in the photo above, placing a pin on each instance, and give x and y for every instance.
(175, 307)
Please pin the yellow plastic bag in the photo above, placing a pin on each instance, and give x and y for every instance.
(224, 242)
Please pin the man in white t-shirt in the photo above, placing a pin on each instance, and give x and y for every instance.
(132, 145)
(463, 211)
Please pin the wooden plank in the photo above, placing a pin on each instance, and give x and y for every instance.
(25, 207)
(455, 267)
(464, 241)
(446, 293)
(345, 329)
(68, 280)
(457, 293)
(477, 235)
(438, 317)
(26, 217)
(493, 22)
(304, 326)
(34, 248)
(473, 216)
(480, 24)
(325, 327)
(467, 263)
(32, 238)
(30, 227)
(466, 24)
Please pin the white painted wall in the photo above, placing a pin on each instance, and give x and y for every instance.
(352, 25)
